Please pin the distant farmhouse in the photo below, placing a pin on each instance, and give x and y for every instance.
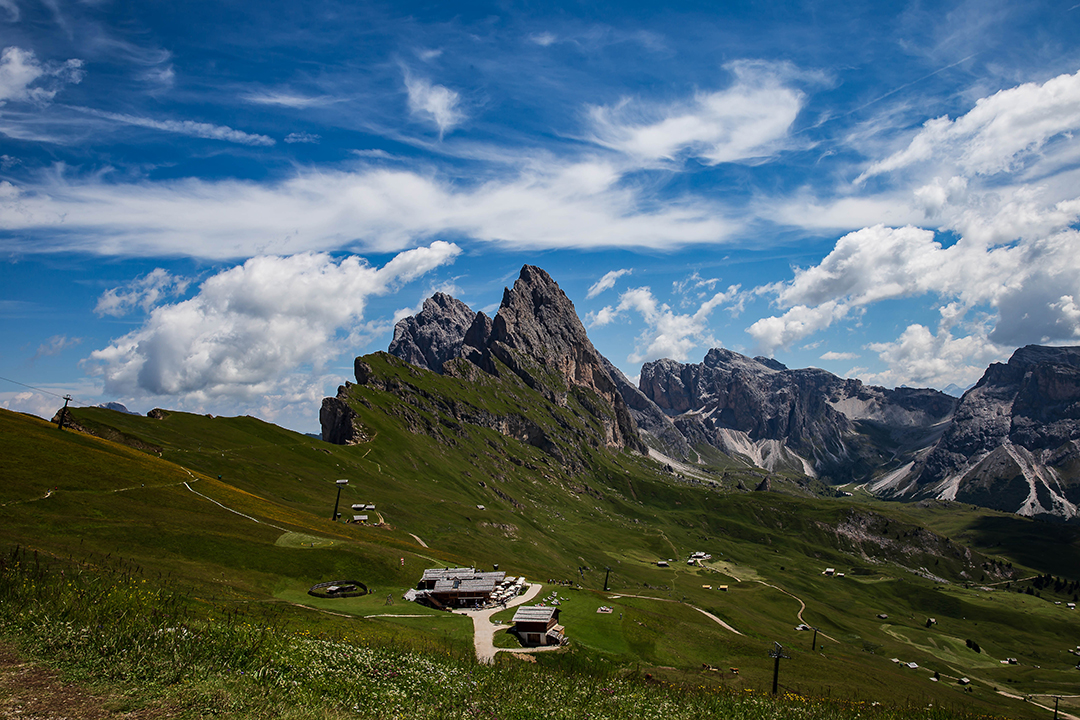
(538, 625)
(445, 588)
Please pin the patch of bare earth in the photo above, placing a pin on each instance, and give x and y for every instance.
(31, 692)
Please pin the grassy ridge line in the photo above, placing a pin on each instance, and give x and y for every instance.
(159, 522)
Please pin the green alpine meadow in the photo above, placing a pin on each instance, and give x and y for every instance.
(165, 562)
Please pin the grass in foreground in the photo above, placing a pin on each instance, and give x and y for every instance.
(157, 646)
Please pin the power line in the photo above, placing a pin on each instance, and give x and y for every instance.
(47, 392)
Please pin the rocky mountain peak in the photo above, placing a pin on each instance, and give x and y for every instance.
(808, 419)
(771, 363)
(435, 334)
(1044, 355)
(536, 335)
(537, 320)
(725, 359)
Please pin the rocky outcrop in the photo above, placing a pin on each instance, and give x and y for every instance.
(435, 334)
(807, 420)
(1014, 443)
(340, 423)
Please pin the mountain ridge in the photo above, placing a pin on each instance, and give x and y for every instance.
(900, 443)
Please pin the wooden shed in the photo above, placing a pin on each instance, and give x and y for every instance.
(538, 625)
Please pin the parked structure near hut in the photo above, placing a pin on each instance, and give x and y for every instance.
(464, 588)
(538, 625)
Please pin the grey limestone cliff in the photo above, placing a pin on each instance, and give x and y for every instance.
(774, 416)
(1014, 443)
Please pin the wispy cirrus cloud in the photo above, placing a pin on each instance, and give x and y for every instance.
(606, 282)
(12, 9)
(831, 355)
(302, 137)
(559, 206)
(55, 345)
(543, 39)
(995, 136)
(25, 78)
(285, 98)
(184, 127)
(434, 103)
(750, 119)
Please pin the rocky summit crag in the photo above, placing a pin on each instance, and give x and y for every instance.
(1012, 442)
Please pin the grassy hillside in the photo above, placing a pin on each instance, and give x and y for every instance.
(261, 535)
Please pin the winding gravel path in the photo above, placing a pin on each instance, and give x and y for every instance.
(484, 629)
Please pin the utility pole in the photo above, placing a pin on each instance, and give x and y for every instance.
(777, 652)
(1056, 699)
(340, 484)
(813, 645)
(606, 576)
(63, 413)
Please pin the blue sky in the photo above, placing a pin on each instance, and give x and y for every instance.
(215, 206)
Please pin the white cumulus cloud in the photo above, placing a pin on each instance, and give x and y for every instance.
(923, 358)
(795, 324)
(144, 292)
(250, 330)
(32, 403)
(1030, 284)
(667, 334)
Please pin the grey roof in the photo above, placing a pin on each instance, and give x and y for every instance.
(438, 574)
(534, 613)
(468, 585)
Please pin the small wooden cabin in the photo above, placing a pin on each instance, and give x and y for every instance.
(538, 625)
